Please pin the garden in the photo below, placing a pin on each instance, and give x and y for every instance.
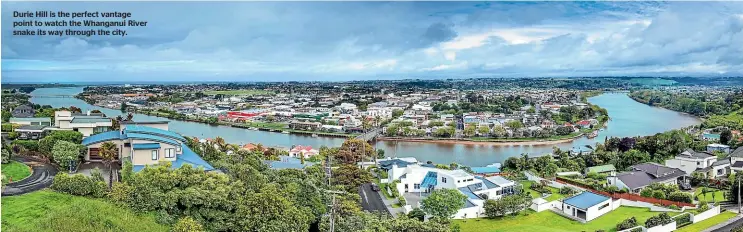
(529, 220)
(14, 171)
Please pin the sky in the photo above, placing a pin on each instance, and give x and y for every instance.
(328, 41)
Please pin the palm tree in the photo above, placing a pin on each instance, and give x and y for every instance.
(129, 117)
(108, 153)
(221, 143)
(377, 119)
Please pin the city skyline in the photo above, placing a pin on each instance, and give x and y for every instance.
(302, 41)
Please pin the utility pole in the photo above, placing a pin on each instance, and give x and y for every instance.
(738, 177)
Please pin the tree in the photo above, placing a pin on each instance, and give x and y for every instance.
(187, 224)
(380, 153)
(397, 113)
(469, 130)
(726, 136)
(350, 177)
(564, 130)
(442, 204)
(483, 130)
(108, 153)
(123, 107)
(6, 115)
(515, 125)
(354, 150)
(64, 152)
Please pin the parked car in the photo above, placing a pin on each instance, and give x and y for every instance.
(375, 187)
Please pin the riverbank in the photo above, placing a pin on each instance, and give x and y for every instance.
(482, 142)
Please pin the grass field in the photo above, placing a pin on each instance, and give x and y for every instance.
(718, 195)
(549, 221)
(15, 171)
(699, 226)
(242, 92)
(47, 210)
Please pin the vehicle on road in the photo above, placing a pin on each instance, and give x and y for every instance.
(375, 187)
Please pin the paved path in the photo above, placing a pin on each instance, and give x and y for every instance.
(371, 200)
(42, 177)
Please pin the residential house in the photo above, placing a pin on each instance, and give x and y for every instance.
(143, 145)
(690, 161)
(41, 121)
(305, 151)
(718, 147)
(423, 179)
(736, 160)
(587, 206)
(87, 124)
(23, 111)
(299, 125)
(608, 169)
(645, 174)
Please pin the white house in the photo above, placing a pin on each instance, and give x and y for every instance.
(306, 151)
(87, 124)
(736, 160)
(423, 179)
(587, 206)
(690, 161)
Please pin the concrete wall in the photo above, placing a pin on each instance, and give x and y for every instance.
(471, 212)
(86, 131)
(545, 206)
(663, 228)
(707, 214)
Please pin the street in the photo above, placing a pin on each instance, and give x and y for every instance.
(371, 200)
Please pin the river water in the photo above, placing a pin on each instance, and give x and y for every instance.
(628, 118)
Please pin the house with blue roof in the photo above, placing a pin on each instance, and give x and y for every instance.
(587, 206)
(144, 145)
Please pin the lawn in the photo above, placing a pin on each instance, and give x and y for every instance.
(724, 216)
(549, 221)
(267, 125)
(555, 192)
(15, 171)
(245, 92)
(718, 195)
(47, 210)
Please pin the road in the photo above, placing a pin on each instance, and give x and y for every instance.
(370, 200)
(729, 227)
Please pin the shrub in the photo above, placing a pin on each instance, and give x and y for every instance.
(79, 185)
(417, 213)
(127, 171)
(121, 193)
(96, 174)
(674, 207)
(703, 206)
(659, 194)
(541, 188)
(680, 197)
(683, 220)
(627, 223)
(64, 152)
(13, 135)
(187, 224)
(658, 220)
(401, 200)
(5, 156)
(646, 192)
(29, 145)
(567, 190)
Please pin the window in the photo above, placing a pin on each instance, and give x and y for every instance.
(169, 152)
(416, 186)
(178, 149)
(443, 179)
(127, 144)
(604, 206)
(154, 155)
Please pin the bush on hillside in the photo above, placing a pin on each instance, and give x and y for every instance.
(79, 185)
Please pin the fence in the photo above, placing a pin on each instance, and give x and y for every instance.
(627, 196)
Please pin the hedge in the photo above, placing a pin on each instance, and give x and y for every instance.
(79, 185)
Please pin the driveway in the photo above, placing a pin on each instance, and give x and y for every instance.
(371, 200)
(42, 177)
(86, 168)
(728, 225)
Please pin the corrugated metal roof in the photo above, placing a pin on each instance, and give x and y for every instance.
(41, 119)
(84, 119)
(102, 137)
(154, 138)
(153, 131)
(585, 200)
(145, 146)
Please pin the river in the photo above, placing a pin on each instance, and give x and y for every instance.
(628, 118)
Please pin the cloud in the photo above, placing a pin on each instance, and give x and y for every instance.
(332, 40)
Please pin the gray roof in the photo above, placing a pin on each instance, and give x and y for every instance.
(89, 119)
(738, 164)
(40, 119)
(691, 154)
(387, 164)
(737, 153)
(648, 173)
(721, 162)
(31, 128)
